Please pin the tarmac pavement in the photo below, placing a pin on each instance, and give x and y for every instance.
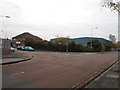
(57, 70)
(15, 57)
(16, 82)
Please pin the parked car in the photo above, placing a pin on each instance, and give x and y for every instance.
(28, 48)
(20, 47)
(13, 49)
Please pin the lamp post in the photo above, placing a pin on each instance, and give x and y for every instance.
(59, 45)
(91, 35)
(2, 31)
(67, 43)
(5, 16)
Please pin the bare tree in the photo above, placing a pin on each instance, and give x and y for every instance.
(114, 5)
(112, 38)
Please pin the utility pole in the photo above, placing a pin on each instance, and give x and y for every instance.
(67, 43)
(91, 36)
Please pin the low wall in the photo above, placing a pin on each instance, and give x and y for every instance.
(5, 52)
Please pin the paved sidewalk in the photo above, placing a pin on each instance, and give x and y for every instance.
(15, 57)
(109, 79)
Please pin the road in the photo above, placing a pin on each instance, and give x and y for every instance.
(56, 70)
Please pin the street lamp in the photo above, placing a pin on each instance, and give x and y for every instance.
(2, 25)
(67, 43)
(59, 45)
(5, 16)
(91, 34)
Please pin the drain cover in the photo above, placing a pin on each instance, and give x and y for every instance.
(115, 76)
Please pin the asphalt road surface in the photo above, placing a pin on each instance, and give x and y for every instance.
(55, 70)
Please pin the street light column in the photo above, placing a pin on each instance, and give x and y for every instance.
(2, 31)
(59, 45)
(67, 44)
(91, 36)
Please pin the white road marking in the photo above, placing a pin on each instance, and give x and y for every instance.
(18, 73)
(67, 54)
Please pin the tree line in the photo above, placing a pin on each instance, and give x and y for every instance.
(65, 45)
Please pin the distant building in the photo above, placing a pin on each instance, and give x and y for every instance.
(17, 42)
(5, 46)
(85, 40)
(19, 39)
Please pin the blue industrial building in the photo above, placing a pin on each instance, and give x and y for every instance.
(85, 40)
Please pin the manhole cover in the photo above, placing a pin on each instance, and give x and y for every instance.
(115, 76)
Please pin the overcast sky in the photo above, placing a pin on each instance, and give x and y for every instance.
(50, 18)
